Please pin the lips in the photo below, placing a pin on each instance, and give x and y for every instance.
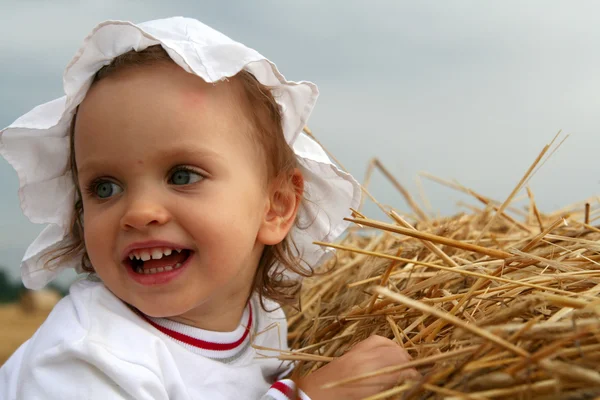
(154, 258)
(151, 273)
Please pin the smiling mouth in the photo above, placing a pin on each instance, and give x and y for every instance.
(154, 261)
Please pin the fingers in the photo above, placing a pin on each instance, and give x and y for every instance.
(367, 357)
(375, 341)
(411, 375)
(385, 347)
(379, 352)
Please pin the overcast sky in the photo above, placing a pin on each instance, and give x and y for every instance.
(465, 90)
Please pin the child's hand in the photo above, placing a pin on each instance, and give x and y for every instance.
(372, 354)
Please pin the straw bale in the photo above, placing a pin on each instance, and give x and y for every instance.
(488, 304)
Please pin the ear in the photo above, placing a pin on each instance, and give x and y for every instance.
(285, 196)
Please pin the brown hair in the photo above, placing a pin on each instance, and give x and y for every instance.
(271, 280)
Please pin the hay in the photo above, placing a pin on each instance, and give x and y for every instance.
(488, 306)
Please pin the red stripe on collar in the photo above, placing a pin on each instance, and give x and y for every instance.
(203, 344)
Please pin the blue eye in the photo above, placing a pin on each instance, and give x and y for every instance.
(185, 176)
(106, 189)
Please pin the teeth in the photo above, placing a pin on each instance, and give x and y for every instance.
(150, 271)
(157, 254)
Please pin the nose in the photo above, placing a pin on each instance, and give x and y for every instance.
(143, 212)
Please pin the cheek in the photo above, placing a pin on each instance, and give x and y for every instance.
(91, 242)
(225, 238)
(96, 234)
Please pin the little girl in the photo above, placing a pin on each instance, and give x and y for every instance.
(174, 172)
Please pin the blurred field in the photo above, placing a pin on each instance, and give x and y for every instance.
(16, 326)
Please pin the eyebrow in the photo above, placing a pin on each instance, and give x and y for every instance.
(182, 150)
(190, 150)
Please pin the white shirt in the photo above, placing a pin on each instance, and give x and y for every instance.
(93, 346)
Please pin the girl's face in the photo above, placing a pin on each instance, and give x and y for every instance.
(174, 193)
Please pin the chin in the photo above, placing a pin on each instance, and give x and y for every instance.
(154, 311)
(164, 312)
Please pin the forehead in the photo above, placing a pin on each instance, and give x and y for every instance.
(160, 103)
(163, 87)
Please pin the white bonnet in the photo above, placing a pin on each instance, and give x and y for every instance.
(37, 144)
